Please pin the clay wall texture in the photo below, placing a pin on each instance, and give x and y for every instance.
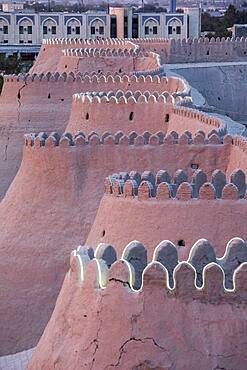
(51, 51)
(157, 326)
(133, 111)
(66, 183)
(54, 198)
(36, 103)
(196, 50)
(170, 51)
(101, 64)
(220, 86)
(158, 206)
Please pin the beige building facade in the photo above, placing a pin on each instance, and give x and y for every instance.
(31, 28)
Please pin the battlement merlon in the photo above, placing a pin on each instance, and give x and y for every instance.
(42, 140)
(136, 107)
(106, 52)
(162, 186)
(174, 85)
(121, 97)
(91, 43)
(215, 280)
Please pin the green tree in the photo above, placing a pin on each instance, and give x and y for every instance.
(230, 16)
(1, 83)
(10, 65)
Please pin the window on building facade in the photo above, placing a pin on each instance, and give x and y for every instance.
(169, 30)
(44, 30)
(5, 30)
(178, 30)
(5, 41)
(146, 30)
(29, 30)
(21, 30)
(53, 30)
(21, 41)
(155, 30)
(77, 30)
(69, 30)
(92, 30)
(101, 30)
(29, 41)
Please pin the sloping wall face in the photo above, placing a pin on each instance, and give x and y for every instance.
(155, 327)
(36, 103)
(196, 50)
(174, 220)
(109, 115)
(51, 51)
(66, 183)
(223, 87)
(119, 64)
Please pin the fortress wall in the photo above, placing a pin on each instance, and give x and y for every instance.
(51, 51)
(10, 89)
(160, 46)
(202, 320)
(25, 107)
(134, 113)
(43, 103)
(101, 64)
(184, 118)
(170, 51)
(203, 50)
(178, 124)
(47, 58)
(66, 183)
(173, 219)
(94, 82)
(196, 50)
(238, 156)
(110, 114)
(220, 86)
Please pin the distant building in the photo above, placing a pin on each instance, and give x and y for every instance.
(21, 28)
(239, 30)
(12, 7)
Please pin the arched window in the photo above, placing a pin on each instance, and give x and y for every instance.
(167, 117)
(25, 31)
(151, 28)
(97, 28)
(49, 28)
(4, 31)
(73, 28)
(131, 116)
(174, 28)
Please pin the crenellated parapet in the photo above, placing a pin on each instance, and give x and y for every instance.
(203, 50)
(109, 59)
(240, 142)
(121, 97)
(91, 43)
(127, 313)
(134, 110)
(51, 55)
(95, 81)
(167, 51)
(43, 140)
(202, 277)
(163, 187)
(106, 52)
(196, 50)
(192, 114)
